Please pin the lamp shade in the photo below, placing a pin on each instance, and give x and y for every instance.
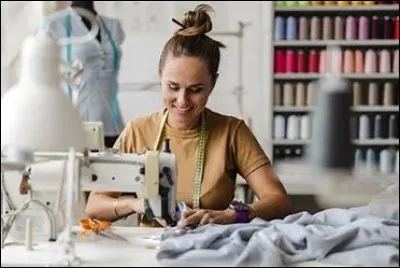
(36, 114)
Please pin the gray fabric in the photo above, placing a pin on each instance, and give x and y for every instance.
(366, 236)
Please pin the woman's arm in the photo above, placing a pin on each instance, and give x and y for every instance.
(273, 201)
(111, 206)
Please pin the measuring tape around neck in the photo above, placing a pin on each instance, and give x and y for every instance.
(200, 155)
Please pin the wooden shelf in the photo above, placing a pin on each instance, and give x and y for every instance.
(347, 43)
(362, 108)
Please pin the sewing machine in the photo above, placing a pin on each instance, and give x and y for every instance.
(152, 175)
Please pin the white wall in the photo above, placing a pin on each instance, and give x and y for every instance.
(144, 43)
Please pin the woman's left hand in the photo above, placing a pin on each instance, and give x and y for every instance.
(204, 216)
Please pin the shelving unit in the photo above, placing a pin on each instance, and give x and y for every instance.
(270, 45)
(343, 9)
(315, 76)
(342, 43)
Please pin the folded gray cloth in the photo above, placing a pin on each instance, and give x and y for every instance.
(366, 236)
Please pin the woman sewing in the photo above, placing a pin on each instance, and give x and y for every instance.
(100, 58)
(188, 69)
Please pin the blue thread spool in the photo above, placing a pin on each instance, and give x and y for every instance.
(363, 131)
(371, 160)
(358, 159)
(386, 161)
(291, 28)
(393, 127)
(378, 127)
(279, 29)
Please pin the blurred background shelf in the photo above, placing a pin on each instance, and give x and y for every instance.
(315, 76)
(361, 108)
(367, 142)
(336, 8)
(342, 43)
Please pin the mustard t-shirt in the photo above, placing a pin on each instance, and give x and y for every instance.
(230, 148)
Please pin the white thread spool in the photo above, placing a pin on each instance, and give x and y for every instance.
(370, 62)
(293, 127)
(363, 131)
(305, 127)
(386, 161)
(279, 127)
(384, 61)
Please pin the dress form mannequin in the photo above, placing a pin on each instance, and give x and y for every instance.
(89, 6)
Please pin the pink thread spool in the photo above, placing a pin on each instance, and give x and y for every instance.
(315, 28)
(313, 61)
(290, 61)
(363, 28)
(359, 61)
(327, 28)
(351, 28)
(335, 61)
(280, 61)
(370, 62)
(339, 28)
(384, 61)
(323, 61)
(304, 29)
(348, 63)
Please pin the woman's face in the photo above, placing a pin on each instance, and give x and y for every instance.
(186, 85)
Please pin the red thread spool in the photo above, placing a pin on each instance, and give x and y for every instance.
(290, 61)
(313, 61)
(301, 61)
(280, 61)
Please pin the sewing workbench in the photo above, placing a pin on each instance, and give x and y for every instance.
(101, 251)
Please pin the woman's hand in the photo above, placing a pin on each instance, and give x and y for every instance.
(203, 216)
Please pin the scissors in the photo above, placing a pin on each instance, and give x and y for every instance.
(101, 228)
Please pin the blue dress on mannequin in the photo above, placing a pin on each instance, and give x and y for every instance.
(98, 86)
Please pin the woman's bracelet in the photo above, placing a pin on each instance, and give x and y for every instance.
(115, 207)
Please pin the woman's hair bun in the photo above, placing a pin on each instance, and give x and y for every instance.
(196, 22)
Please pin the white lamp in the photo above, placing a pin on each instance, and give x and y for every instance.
(35, 114)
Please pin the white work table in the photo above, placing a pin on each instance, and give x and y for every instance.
(94, 251)
(101, 251)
